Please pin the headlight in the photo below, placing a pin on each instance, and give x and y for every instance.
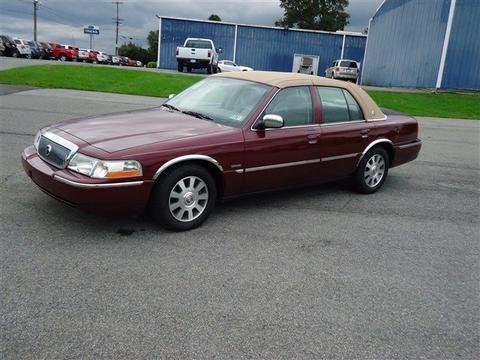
(103, 169)
(37, 139)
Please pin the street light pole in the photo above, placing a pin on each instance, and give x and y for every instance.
(117, 21)
(35, 8)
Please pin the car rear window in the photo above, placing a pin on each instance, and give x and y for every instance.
(350, 64)
(198, 44)
(18, 42)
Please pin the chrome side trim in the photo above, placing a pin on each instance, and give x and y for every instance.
(343, 122)
(186, 158)
(63, 142)
(372, 144)
(96, 186)
(416, 143)
(339, 157)
(282, 165)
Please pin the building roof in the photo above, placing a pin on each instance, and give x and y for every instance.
(283, 79)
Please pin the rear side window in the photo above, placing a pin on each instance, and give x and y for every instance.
(294, 105)
(353, 107)
(338, 105)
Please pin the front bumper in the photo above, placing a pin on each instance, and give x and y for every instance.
(85, 193)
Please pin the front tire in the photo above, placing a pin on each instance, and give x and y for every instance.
(372, 171)
(184, 198)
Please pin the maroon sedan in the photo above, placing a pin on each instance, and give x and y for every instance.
(227, 135)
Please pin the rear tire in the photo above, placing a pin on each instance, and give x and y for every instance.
(209, 69)
(184, 197)
(180, 67)
(189, 69)
(372, 171)
(63, 58)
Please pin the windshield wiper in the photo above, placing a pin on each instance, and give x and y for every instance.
(171, 107)
(196, 114)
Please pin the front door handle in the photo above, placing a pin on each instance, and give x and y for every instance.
(365, 133)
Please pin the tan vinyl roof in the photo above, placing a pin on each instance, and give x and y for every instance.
(282, 80)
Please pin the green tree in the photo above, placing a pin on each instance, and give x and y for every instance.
(327, 15)
(134, 52)
(152, 40)
(214, 17)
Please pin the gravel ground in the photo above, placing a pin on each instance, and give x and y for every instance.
(313, 273)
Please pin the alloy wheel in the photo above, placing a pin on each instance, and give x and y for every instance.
(374, 170)
(188, 198)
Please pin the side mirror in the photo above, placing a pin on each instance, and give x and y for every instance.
(271, 121)
(219, 50)
(171, 96)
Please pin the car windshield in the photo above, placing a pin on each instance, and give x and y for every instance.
(198, 44)
(226, 101)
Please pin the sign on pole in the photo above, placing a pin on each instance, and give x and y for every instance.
(91, 29)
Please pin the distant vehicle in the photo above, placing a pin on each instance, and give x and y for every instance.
(227, 66)
(83, 55)
(23, 48)
(306, 65)
(45, 48)
(343, 69)
(132, 62)
(63, 52)
(115, 60)
(198, 54)
(2, 48)
(37, 52)
(102, 58)
(124, 61)
(139, 63)
(9, 45)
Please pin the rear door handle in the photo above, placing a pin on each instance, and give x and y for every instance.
(365, 133)
(312, 138)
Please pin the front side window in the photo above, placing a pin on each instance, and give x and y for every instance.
(338, 105)
(226, 101)
(294, 105)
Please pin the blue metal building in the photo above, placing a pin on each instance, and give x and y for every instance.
(259, 47)
(424, 43)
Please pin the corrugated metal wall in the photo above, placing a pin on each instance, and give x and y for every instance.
(462, 66)
(273, 49)
(259, 47)
(175, 31)
(405, 43)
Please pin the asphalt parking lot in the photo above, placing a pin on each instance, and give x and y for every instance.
(312, 273)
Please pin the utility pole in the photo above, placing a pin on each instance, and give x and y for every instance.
(117, 21)
(35, 8)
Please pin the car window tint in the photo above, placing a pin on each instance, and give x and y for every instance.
(334, 106)
(353, 64)
(199, 44)
(353, 107)
(294, 105)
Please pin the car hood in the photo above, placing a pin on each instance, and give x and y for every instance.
(117, 132)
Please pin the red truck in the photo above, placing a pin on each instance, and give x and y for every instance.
(63, 52)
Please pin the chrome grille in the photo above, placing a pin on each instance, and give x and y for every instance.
(55, 150)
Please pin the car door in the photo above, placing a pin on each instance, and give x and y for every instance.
(286, 156)
(345, 133)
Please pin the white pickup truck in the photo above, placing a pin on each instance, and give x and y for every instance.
(198, 54)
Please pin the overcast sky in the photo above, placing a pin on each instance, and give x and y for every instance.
(62, 20)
